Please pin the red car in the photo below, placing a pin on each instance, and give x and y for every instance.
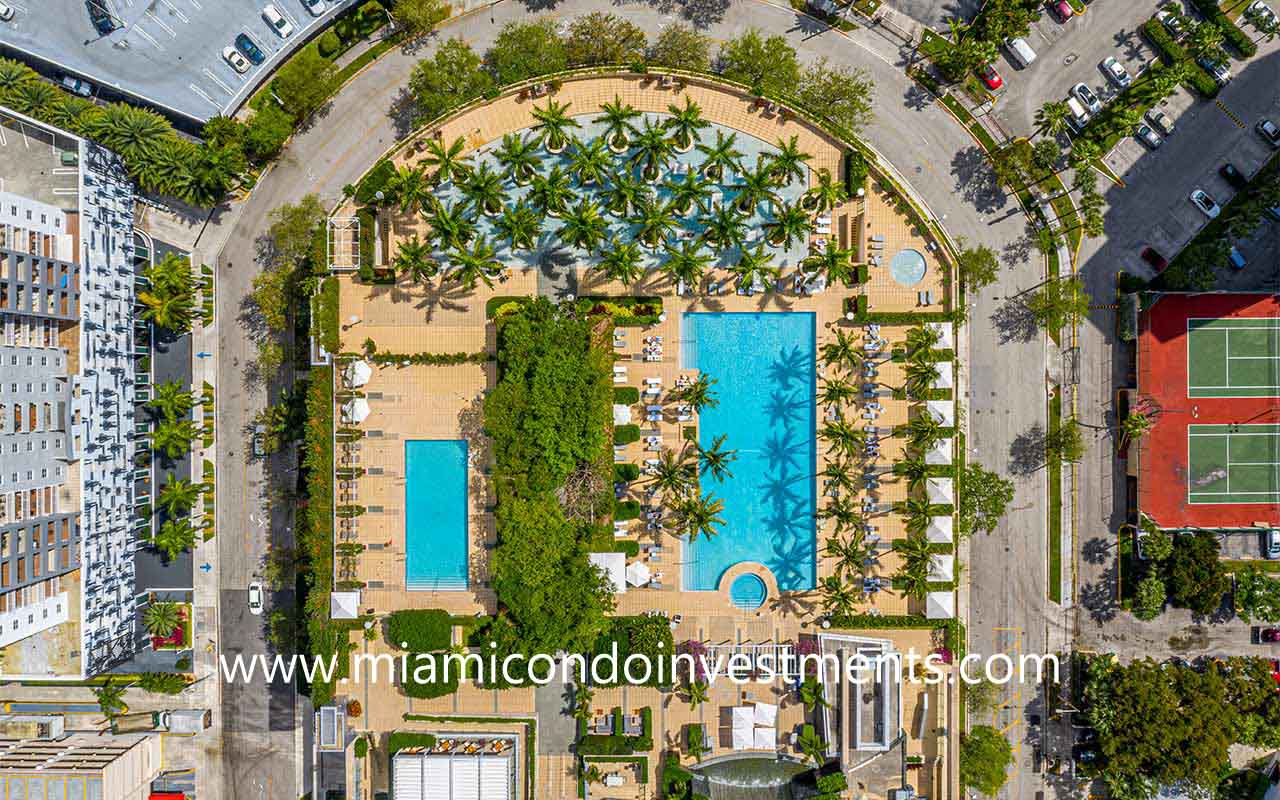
(1270, 635)
(991, 78)
(1153, 258)
(1063, 10)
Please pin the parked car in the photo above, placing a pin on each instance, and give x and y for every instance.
(76, 86)
(1207, 205)
(991, 78)
(1272, 541)
(1269, 635)
(260, 440)
(1079, 117)
(1116, 73)
(1157, 261)
(277, 21)
(1062, 10)
(1084, 754)
(1268, 130)
(1260, 14)
(6, 12)
(1171, 19)
(1232, 176)
(1148, 136)
(1086, 96)
(102, 21)
(1160, 121)
(1020, 52)
(1221, 75)
(255, 598)
(316, 7)
(246, 45)
(238, 62)
(1236, 259)
(1139, 537)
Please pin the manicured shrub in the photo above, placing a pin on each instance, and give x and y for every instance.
(373, 182)
(626, 395)
(1235, 37)
(401, 740)
(362, 747)
(420, 630)
(329, 44)
(626, 509)
(625, 473)
(626, 434)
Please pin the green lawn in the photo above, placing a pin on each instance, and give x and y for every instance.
(966, 119)
(1063, 205)
(1055, 504)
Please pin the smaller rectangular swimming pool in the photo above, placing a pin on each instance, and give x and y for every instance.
(435, 515)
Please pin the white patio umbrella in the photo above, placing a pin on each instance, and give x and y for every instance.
(359, 373)
(940, 531)
(356, 410)
(940, 605)
(944, 411)
(766, 715)
(766, 739)
(941, 452)
(945, 379)
(638, 573)
(945, 342)
(743, 736)
(941, 491)
(621, 414)
(942, 567)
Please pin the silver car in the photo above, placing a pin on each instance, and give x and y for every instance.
(1207, 205)
(1116, 73)
(1160, 121)
(1149, 137)
(1085, 95)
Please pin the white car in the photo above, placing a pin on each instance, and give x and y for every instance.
(1116, 72)
(277, 21)
(255, 598)
(6, 12)
(238, 62)
(1260, 13)
(1085, 95)
(316, 7)
(1207, 205)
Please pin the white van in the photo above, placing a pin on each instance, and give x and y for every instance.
(1020, 51)
(1079, 115)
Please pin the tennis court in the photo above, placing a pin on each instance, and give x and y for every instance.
(1236, 357)
(1233, 464)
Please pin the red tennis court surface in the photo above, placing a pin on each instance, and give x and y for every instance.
(1163, 470)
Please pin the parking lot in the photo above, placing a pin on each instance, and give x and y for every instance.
(166, 52)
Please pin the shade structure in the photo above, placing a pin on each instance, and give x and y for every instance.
(940, 605)
(766, 739)
(344, 605)
(945, 341)
(940, 530)
(944, 411)
(941, 491)
(621, 414)
(356, 410)
(358, 373)
(766, 715)
(451, 776)
(946, 375)
(940, 453)
(942, 567)
(638, 573)
(614, 566)
(743, 718)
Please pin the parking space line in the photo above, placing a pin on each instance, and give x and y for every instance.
(218, 81)
(141, 31)
(161, 23)
(175, 11)
(198, 7)
(201, 92)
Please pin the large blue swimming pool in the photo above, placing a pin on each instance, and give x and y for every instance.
(763, 365)
(435, 515)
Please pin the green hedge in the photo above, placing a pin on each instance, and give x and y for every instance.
(420, 630)
(374, 181)
(326, 315)
(625, 473)
(856, 170)
(430, 689)
(329, 44)
(626, 509)
(630, 311)
(492, 305)
(402, 740)
(1171, 52)
(1235, 37)
(626, 395)
(626, 434)
(431, 359)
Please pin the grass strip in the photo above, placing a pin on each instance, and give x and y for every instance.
(1055, 503)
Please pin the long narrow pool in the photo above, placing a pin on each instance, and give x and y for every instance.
(763, 365)
(435, 515)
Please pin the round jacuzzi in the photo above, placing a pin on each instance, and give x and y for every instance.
(748, 591)
(908, 267)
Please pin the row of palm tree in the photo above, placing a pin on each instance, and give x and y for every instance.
(169, 301)
(174, 430)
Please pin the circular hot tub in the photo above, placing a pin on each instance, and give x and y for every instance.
(908, 267)
(748, 591)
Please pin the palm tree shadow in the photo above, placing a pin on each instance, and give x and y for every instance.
(791, 365)
(785, 407)
(443, 297)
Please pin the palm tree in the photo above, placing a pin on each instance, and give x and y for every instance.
(627, 193)
(842, 439)
(788, 164)
(617, 118)
(409, 187)
(691, 190)
(842, 352)
(922, 338)
(175, 537)
(172, 400)
(173, 437)
(161, 619)
(170, 275)
(751, 264)
(1052, 117)
(686, 123)
(483, 187)
(918, 512)
(838, 475)
(721, 156)
(1134, 427)
(687, 264)
(172, 312)
(551, 191)
(843, 511)
(836, 262)
(755, 187)
(811, 694)
(791, 223)
(920, 375)
(519, 157)
(850, 555)
(519, 225)
(13, 76)
(914, 469)
(724, 227)
(924, 431)
(110, 698)
(582, 699)
(1205, 40)
(553, 125)
(656, 219)
(413, 258)
(696, 747)
(913, 575)
(671, 475)
(447, 162)
(621, 261)
(177, 497)
(590, 163)
(697, 693)
(826, 195)
(584, 227)
(812, 745)
(653, 149)
(451, 225)
(838, 599)
(36, 98)
(698, 393)
(480, 263)
(716, 459)
(132, 132)
(700, 516)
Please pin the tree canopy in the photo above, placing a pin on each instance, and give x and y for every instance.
(984, 496)
(526, 50)
(985, 757)
(1195, 576)
(448, 79)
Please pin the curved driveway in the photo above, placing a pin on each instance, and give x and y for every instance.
(1006, 390)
